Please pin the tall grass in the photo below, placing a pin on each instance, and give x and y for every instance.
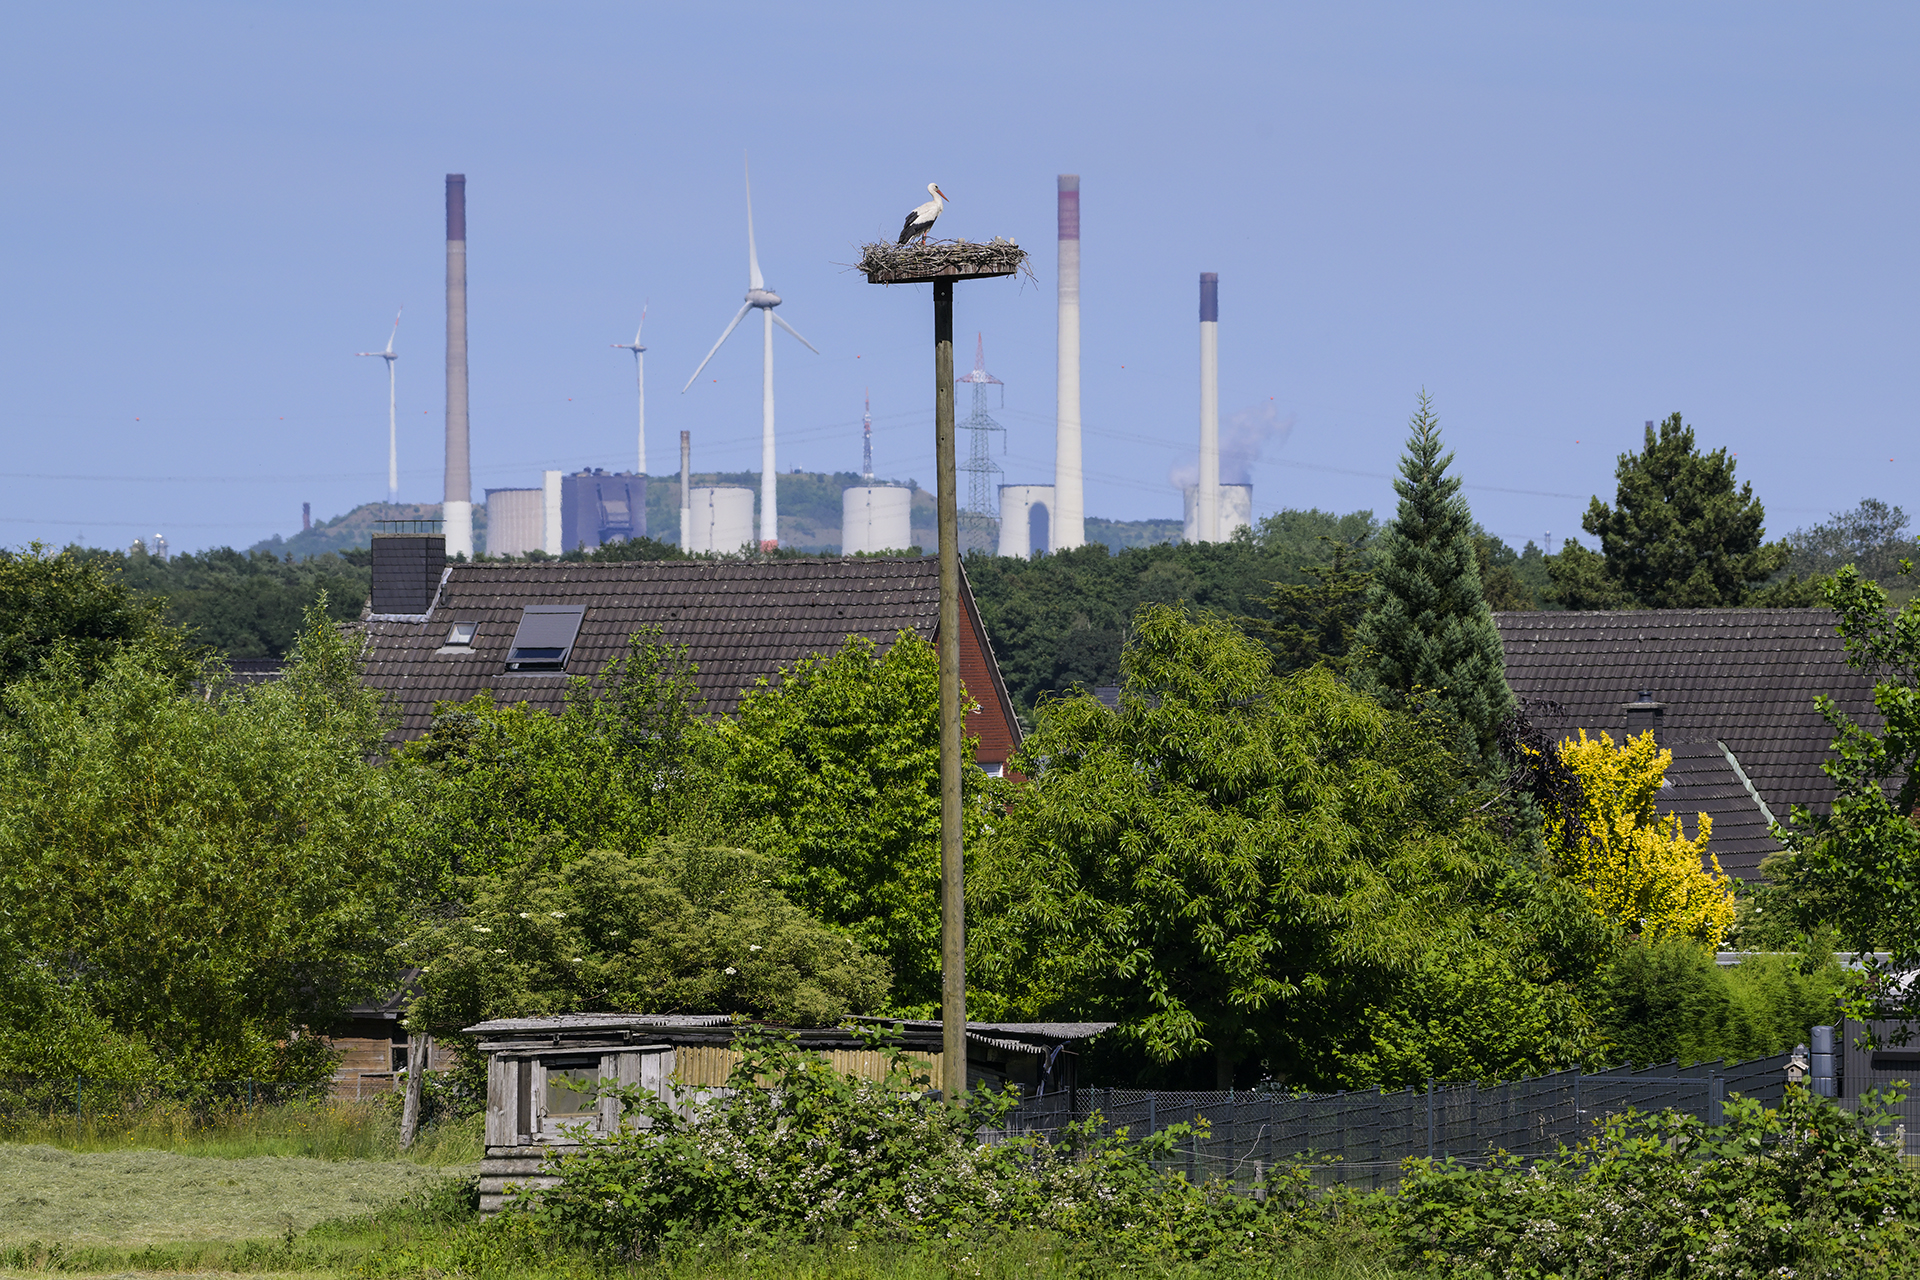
(321, 1130)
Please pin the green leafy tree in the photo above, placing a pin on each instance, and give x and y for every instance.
(1059, 621)
(69, 612)
(1680, 535)
(1314, 622)
(1427, 625)
(625, 763)
(1857, 867)
(1874, 537)
(1254, 872)
(835, 769)
(1581, 581)
(832, 768)
(201, 878)
(1500, 582)
(247, 605)
(670, 929)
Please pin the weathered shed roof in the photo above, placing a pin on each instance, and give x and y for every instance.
(562, 1029)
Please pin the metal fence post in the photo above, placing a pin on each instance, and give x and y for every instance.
(1429, 1117)
(1716, 1094)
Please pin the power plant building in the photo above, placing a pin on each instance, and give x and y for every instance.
(599, 507)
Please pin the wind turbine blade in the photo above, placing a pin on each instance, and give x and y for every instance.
(396, 331)
(643, 324)
(753, 255)
(738, 316)
(795, 332)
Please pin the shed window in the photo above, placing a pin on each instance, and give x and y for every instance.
(460, 634)
(544, 637)
(572, 1086)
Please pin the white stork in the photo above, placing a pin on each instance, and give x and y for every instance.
(920, 221)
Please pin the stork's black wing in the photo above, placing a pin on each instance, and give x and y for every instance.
(908, 231)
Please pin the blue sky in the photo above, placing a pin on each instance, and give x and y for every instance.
(1560, 220)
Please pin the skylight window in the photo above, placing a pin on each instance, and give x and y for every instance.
(544, 639)
(460, 635)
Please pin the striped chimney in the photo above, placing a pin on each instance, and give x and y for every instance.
(1068, 529)
(1208, 503)
(457, 513)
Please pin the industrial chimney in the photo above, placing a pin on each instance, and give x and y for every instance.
(457, 513)
(686, 494)
(1069, 503)
(1209, 481)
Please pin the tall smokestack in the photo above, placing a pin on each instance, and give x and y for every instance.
(1069, 504)
(457, 514)
(1209, 495)
(686, 491)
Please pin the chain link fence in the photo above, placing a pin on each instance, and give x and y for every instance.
(1359, 1139)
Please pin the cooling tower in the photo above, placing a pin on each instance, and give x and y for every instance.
(516, 521)
(1206, 523)
(1235, 507)
(876, 518)
(1026, 519)
(458, 511)
(1068, 507)
(722, 519)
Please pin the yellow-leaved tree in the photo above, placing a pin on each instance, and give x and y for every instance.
(1639, 868)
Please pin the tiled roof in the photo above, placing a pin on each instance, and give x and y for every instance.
(1701, 780)
(740, 620)
(1743, 677)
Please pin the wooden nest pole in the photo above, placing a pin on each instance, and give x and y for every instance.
(940, 265)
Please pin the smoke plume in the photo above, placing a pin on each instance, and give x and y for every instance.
(1244, 436)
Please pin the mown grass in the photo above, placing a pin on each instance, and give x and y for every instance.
(318, 1131)
(140, 1198)
(405, 1244)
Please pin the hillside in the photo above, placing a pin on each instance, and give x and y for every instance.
(354, 530)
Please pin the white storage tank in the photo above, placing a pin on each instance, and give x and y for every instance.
(722, 519)
(875, 518)
(516, 521)
(1236, 511)
(1026, 519)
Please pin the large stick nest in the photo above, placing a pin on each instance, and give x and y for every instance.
(916, 261)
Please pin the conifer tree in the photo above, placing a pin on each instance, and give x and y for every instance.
(1427, 625)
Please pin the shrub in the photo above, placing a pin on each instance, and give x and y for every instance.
(794, 1149)
(1802, 1191)
(1669, 1000)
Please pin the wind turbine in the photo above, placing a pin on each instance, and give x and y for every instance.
(393, 427)
(640, 378)
(765, 299)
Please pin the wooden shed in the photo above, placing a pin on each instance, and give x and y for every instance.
(543, 1074)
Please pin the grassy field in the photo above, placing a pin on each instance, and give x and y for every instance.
(326, 1131)
(316, 1192)
(138, 1198)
